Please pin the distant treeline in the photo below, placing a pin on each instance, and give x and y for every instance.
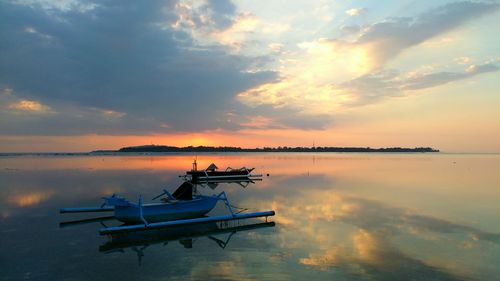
(164, 148)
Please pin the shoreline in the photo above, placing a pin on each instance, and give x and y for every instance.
(70, 154)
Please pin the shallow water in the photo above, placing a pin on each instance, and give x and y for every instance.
(338, 216)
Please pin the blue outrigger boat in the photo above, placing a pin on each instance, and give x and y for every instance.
(179, 208)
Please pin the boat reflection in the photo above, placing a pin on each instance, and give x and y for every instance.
(138, 241)
(214, 183)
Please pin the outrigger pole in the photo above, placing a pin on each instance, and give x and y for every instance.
(86, 210)
(126, 228)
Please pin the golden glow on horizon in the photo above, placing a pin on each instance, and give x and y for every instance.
(363, 132)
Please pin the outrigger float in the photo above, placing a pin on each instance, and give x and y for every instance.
(212, 172)
(179, 208)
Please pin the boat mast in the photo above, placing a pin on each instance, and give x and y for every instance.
(195, 166)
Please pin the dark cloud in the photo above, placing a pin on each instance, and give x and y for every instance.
(392, 36)
(118, 56)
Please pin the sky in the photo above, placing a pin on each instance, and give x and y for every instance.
(80, 75)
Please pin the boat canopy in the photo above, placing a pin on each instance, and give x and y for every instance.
(184, 191)
(211, 168)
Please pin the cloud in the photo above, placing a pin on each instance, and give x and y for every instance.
(123, 61)
(464, 60)
(350, 29)
(171, 66)
(369, 88)
(268, 117)
(210, 15)
(356, 11)
(386, 39)
(275, 47)
(390, 37)
(331, 74)
(372, 87)
(30, 106)
(218, 22)
(51, 6)
(11, 104)
(440, 78)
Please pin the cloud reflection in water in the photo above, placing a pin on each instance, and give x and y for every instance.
(373, 245)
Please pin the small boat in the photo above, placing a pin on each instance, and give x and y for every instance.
(182, 204)
(213, 172)
(179, 208)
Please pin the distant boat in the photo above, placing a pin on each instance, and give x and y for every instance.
(212, 172)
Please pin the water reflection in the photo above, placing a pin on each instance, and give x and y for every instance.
(338, 216)
(368, 237)
(30, 199)
(185, 235)
(373, 257)
(213, 184)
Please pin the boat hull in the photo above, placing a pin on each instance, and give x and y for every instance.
(160, 212)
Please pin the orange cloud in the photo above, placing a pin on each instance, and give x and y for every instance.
(30, 106)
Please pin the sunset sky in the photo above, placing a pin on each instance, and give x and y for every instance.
(82, 75)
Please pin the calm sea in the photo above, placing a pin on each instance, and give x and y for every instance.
(338, 217)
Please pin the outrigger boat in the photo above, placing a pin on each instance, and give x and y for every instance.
(179, 208)
(182, 204)
(212, 172)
